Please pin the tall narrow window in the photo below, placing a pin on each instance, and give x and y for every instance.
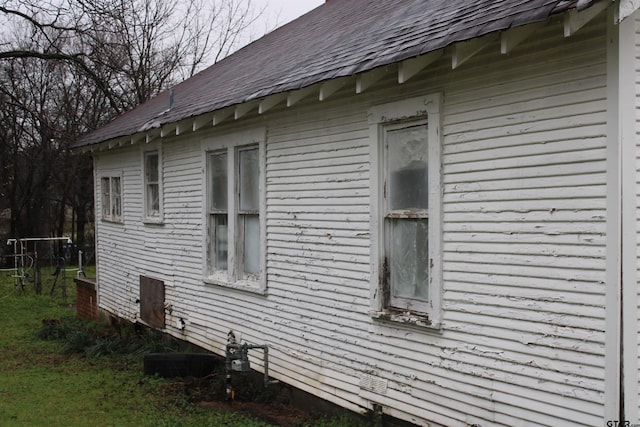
(249, 212)
(106, 197)
(218, 211)
(406, 219)
(152, 186)
(116, 198)
(407, 214)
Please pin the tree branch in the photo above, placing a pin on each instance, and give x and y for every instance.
(73, 59)
(37, 23)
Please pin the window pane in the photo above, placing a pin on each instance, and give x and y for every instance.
(409, 263)
(218, 241)
(153, 199)
(151, 168)
(251, 255)
(116, 197)
(106, 197)
(218, 191)
(249, 180)
(407, 157)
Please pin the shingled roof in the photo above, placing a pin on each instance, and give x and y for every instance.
(340, 38)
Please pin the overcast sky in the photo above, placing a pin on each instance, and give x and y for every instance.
(286, 10)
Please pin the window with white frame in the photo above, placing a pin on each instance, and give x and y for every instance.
(218, 223)
(111, 199)
(248, 213)
(152, 185)
(234, 229)
(406, 142)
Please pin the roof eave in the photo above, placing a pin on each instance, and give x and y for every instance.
(323, 85)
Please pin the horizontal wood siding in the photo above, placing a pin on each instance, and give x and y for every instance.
(318, 246)
(522, 339)
(118, 283)
(524, 234)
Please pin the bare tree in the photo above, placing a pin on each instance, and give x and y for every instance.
(68, 66)
(131, 49)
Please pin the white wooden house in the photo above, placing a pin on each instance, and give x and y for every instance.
(424, 207)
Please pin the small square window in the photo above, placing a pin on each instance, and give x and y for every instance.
(111, 199)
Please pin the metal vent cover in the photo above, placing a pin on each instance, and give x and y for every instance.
(373, 384)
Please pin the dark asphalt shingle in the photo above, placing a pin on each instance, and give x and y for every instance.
(339, 38)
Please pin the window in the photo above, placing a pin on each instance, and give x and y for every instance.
(406, 145)
(152, 186)
(406, 221)
(111, 198)
(218, 211)
(234, 238)
(248, 213)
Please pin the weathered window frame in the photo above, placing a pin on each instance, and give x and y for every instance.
(235, 275)
(244, 215)
(151, 215)
(382, 118)
(217, 215)
(395, 218)
(111, 197)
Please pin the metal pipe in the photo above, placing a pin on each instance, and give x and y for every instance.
(229, 390)
(237, 359)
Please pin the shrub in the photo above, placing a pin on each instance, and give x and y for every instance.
(98, 339)
(55, 329)
(76, 341)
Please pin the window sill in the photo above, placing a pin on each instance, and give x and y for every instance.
(152, 221)
(406, 318)
(240, 285)
(113, 221)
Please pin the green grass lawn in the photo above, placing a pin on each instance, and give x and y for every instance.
(43, 383)
(40, 386)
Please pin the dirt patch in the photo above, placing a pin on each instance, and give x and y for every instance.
(272, 405)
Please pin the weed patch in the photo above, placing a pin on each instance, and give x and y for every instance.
(58, 370)
(96, 340)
